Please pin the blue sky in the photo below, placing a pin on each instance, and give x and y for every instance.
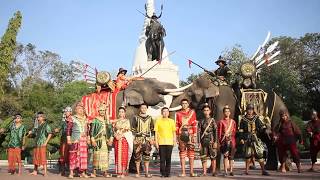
(105, 33)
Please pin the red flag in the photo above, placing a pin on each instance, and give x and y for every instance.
(266, 57)
(189, 62)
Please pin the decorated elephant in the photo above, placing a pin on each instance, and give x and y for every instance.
(149, 91)
(203, 90)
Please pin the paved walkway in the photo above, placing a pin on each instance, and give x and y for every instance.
(239, 169)
(175, 170)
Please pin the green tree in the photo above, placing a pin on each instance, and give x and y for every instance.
(7, 48)
(189, 79)
(296, 77)
(235, 58)
(62, 73)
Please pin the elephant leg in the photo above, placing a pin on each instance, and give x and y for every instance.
(272, 160)
(149, 49)
(159, 50)
(154, 50)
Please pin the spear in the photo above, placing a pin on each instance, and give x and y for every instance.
(205, 70)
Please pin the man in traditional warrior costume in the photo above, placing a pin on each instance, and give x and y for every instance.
(227, 140)
(42, 135)
(143, 129)
(101, 136)
(208, 140)
(313, 129)
(250, 126)
(222, 74)
(186, 124)
(16, 143)
(64, 148)
(122, 81)
(286, 134)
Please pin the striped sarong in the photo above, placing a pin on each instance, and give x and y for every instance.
(101, 156)
(121, 155)
(78, 156)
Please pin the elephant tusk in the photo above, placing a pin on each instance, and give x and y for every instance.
(175, 93)
(177, 89)
(175, 108)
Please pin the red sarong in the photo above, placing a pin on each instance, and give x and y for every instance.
(14, 156)
(121, 153)
(78, 157)
(40, 155)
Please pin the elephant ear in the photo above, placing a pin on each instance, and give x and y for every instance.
(212, 91)
(133, 98)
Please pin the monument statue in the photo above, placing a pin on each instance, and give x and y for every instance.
(154, 33)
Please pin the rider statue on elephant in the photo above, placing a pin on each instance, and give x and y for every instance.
(155, 33)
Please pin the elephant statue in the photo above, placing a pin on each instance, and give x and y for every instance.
(203, 90)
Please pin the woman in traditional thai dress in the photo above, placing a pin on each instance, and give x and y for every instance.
(123, 143)
(78, 139)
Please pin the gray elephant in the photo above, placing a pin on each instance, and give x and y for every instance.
(203, 90)
(149, 91)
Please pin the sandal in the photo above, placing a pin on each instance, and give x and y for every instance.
(311, 170)
(148, 175)
(182, 175)
(120, 176)
(107, 176)
(34, 173)
(137, 175)
(70, 177)
(193, 175)
(84, 176)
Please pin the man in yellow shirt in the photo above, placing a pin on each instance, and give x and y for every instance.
(165, 131)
